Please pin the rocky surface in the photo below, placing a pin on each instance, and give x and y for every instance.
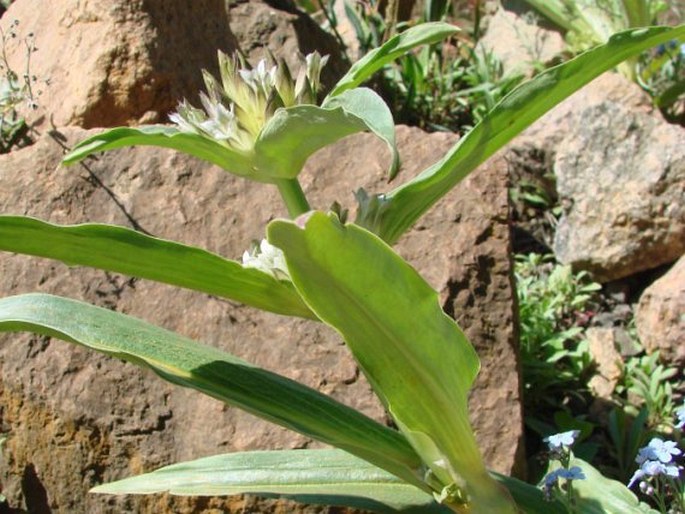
(660, 315)
(76, 418)
(519, 42)
(121, 62)
(621, 183)
(620, 179)
(111, 63)
(603, 347)
(608, 89)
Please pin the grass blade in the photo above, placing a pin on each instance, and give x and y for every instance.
(364, 68)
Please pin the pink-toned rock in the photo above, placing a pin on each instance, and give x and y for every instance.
(621, 184)
(114, 62)
(519, 42)
(120, 62)
(620, 177)
(660, 315)
(603, 349)
(76, 418)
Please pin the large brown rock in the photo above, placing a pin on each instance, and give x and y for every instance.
(76, 418)
(520, 42)
(620, 178)
(660, 315)
(120, 62)
(621, 183)
(608, 89)
(115, 62)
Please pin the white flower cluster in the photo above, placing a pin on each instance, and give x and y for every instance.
(236, 109)
(267, 258)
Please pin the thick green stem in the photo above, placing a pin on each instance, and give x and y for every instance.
(293, 196)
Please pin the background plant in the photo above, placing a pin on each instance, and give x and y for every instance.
(647, 383)
(342, 274)
(3, 438)
(449, 85)
(16, 93)
(645, 400)
(555, 307)
(588, 22)
(553, 301)
(661, 72)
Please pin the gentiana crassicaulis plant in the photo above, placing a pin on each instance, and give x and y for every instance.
(262, 124)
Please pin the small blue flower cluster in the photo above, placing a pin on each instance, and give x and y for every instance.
(656, 459)
(680, 411)
(561, 442)
(560, 448)
(573, 473)
(659, 475)
(671, 45)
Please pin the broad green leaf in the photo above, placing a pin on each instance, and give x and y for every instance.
(216, 373)
(364, 68)
(397, 211)
(165, 136)
(596, 495)
(369, 107)
(600, 495)
(292, 135)
(329, 477)
(126, 251)
(416, 358)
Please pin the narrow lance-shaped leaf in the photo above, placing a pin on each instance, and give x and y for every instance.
(328, 477)
(364, 68)
(396, 212)
(416, 358)
(238, 163)
(216, 373)
(126, 251)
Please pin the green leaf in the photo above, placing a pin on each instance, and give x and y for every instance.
(126, 251)
(374, 112)
(402, 207)
(216, 373)
(600, 495)
(423, 34)
(292, 135)
(165, 136)
(284, 144)
(328, 477)
(529, 498)
(562, 12)
(416, 358)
